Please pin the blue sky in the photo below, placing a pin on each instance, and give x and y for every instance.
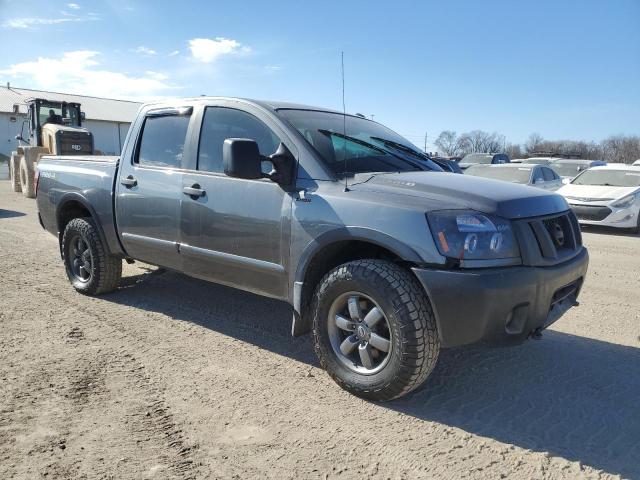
(564, 69)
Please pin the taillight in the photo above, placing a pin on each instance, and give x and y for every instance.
(36, 177)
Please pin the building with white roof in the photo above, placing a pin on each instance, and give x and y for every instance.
(106, 118)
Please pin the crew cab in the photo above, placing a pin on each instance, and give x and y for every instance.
(369, 241)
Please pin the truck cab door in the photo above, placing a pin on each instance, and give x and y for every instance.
(149, 188)
(235, 231)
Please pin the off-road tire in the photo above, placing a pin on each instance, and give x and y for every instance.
(106, 269)
(27, 179)
(14, 172)
(415, 343)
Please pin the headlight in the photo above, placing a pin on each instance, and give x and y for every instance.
(625, 202)
(469, 235)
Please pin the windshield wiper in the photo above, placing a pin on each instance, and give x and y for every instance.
(404, 148)
(371, 146)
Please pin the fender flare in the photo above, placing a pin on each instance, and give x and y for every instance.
(78, 198)
(362, 234)
(301, 325)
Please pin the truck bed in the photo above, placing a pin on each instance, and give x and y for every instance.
(85, 179)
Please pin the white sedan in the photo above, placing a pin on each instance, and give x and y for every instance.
(533, 175)
(608, 196)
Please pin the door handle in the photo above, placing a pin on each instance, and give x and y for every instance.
(129, 181)
(194, 191)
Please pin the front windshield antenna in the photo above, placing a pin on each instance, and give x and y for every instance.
(344, 129)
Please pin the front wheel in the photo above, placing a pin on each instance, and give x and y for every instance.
(14, 171)
(374, 329)
(91, 269)
(27, 177)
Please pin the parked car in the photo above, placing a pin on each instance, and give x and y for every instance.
(527, 174)
(483, 159)
(568, 168)
(447, 164)
(370, 245)
(539, 160)
(607, 195)
(637, 162)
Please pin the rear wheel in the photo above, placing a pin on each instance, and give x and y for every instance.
(14, 172)
(27, 179)
(90, 268)
(374, 329)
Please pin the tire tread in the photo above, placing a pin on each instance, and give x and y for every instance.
(421, 344)
(107, 268)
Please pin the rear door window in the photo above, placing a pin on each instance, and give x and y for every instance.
(537, 175)
(548, 174)
(162, 142)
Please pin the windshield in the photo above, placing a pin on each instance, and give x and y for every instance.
(367, 146)
(481, 158)
(55, 112)
(507, 174)
(608, 178)
(568, 169)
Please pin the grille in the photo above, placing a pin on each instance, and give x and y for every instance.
(589, 212)
(558, 237)
(75, 143)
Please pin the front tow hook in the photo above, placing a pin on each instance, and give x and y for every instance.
(536, 334)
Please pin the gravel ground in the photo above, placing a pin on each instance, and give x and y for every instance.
(170, 377)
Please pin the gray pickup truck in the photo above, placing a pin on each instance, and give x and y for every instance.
(383, 256)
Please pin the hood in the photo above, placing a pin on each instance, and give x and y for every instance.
(454, 191)
(594, 193)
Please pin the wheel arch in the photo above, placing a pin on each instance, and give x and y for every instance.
(73, 205)
(334, 248)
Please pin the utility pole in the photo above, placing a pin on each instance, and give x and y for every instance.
(425, 142)
(372, 115)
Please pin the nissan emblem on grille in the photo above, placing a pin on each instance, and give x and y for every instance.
(76, 147)
(558, 234)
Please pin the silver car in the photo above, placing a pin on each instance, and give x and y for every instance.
(534, 175)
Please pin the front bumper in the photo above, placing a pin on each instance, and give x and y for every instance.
(501, 305)
(607, 215)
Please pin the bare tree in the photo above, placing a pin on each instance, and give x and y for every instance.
(533, 143)
(621, 148)
(513, 150)
(479, 141)
(450, 143)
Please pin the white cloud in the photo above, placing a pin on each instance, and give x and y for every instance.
(207, 50)
(73, 6)
(30, 22)
(145, 50)
(79, 72)
(174, 53)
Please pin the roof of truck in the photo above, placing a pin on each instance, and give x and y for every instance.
(268, 104)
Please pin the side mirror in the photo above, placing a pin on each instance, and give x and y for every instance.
(283, 165)
(241, 158)
(20, 139)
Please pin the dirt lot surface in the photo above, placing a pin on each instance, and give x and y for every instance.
(170, 377)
